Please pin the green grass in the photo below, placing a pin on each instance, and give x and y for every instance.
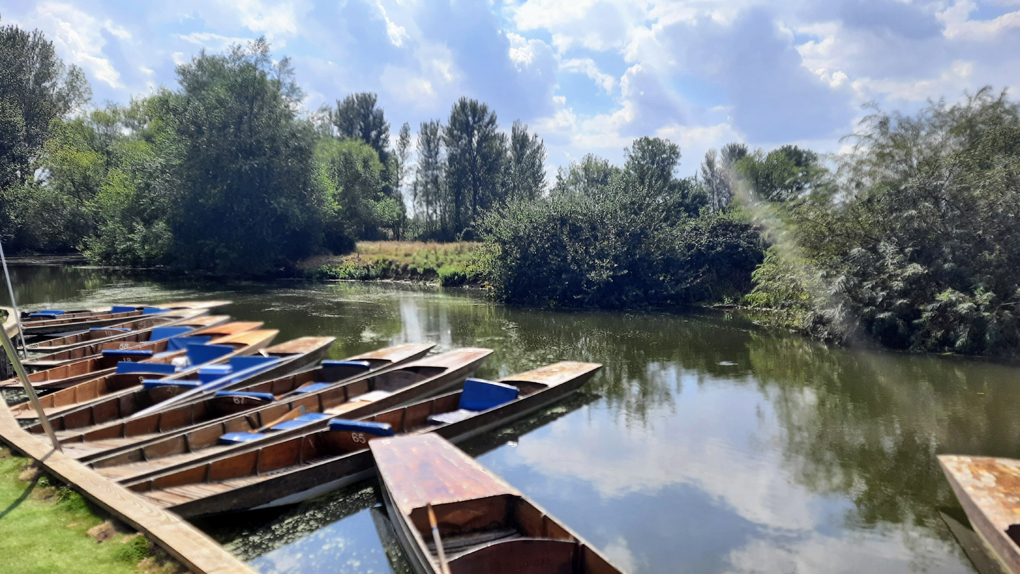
(447, 263)
(43, 529)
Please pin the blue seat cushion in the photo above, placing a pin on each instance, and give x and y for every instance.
(377, 429)
(127, 353)
(110, 329)
(46, 314)
(153, 310)
(154, 383)
(202, 354)
(210, 373)
(299, 422)
(479, 395)
(313, 387)
(160, 333)
(451, 417)
(122, 309)
(240, 437)
(254, 362)
(262, 396)
(146, 368)
(181, 343)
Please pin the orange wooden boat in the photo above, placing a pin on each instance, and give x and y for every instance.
(48, 322)
(989, 491)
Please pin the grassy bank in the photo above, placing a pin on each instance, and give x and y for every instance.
(448, 264)
(46, 528)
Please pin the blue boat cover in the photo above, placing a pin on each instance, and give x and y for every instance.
(110, 329)
(479, 395)
(263, 396)
(312, 388)
(46, 314)
(51, 311)
(240, 437)
(210, 373)
(154, 383)
(356, 364)
(122, 309)
(181, 343)
(160, 333)
(299, 422)
(153, 310)
(377, 429)
(149, 368)
(201, 354)
(127, 353)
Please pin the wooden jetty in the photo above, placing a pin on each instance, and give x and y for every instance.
(452, 515)
(989, 491)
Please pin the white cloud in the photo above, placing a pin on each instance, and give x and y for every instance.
(78, 39)
(588, 67)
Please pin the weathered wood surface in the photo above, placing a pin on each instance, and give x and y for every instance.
(989, 491)
(10, 325)
(188, 545)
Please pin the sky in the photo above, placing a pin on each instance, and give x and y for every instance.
(589, 76)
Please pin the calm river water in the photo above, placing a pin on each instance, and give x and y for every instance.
(704, 445)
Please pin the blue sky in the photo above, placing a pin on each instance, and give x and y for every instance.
(588, 75)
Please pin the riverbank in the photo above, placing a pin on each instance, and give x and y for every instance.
(47, 528)
(448, 264)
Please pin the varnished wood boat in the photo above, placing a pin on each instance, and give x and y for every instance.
(105, 363)
(128, 376)
(275, 468)
(105, 439)
(483, 523)
(47, 322)
(237, 373)
(87, 344)
(358, 396)
(989, 491)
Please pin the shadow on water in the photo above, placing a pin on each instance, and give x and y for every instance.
(704, 445)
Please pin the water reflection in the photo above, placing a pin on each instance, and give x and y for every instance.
(704, 445)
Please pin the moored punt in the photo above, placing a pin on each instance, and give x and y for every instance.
(989, 491)
(85, 344)
(355, 396)
(52, 321)
(105, 439)
(105, 363)
(129, 376)
(239, 371)
(482, 523)
(277, 468)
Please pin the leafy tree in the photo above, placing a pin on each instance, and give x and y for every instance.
(782, 174)
(475, 150)
(403, 156)
(650, 175)
(587, 177)
(525, 164)
(246, 201)
(429, 186)
(717, 174)
(351, 177)
(357, 117)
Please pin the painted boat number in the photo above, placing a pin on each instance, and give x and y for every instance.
(358, 437)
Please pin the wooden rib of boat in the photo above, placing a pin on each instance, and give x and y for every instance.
(277, 468)
(105, 363)
(128, 376)
(104, 439)
(239, 372)
(86, 344)
(989, 491)
(359, 396)
(483, 523)
(79, 320)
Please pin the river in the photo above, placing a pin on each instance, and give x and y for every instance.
(704, 445)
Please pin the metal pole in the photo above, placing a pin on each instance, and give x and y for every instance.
(14, 304)
(29, 390)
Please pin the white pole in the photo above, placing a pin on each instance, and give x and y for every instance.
(14, 304)
(29, 389)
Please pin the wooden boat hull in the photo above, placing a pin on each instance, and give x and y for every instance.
(91, 319)
(989, 492)
(293, 486)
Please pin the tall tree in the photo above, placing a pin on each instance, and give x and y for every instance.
(525, 166)
(588, 177)
(474, 160)
(357, 117)
(650, 179)
(429, 186)
(351, 177)
(246, 199)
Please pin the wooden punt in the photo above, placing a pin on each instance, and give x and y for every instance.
(86, 344)
(105, 363)
(130, 375)
(484, 524)
(358, 396)
(106, 439)
(277, 468)
(80, 320)
(989, 491)
(240, 372)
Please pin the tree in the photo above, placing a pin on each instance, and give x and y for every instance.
(783, 174)
(350, 175)
(357, 117)
(649, 172)
(246, 201)
(587, 177)
(474, 161)
(525, 165)
(429, 186)
(403, 156)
